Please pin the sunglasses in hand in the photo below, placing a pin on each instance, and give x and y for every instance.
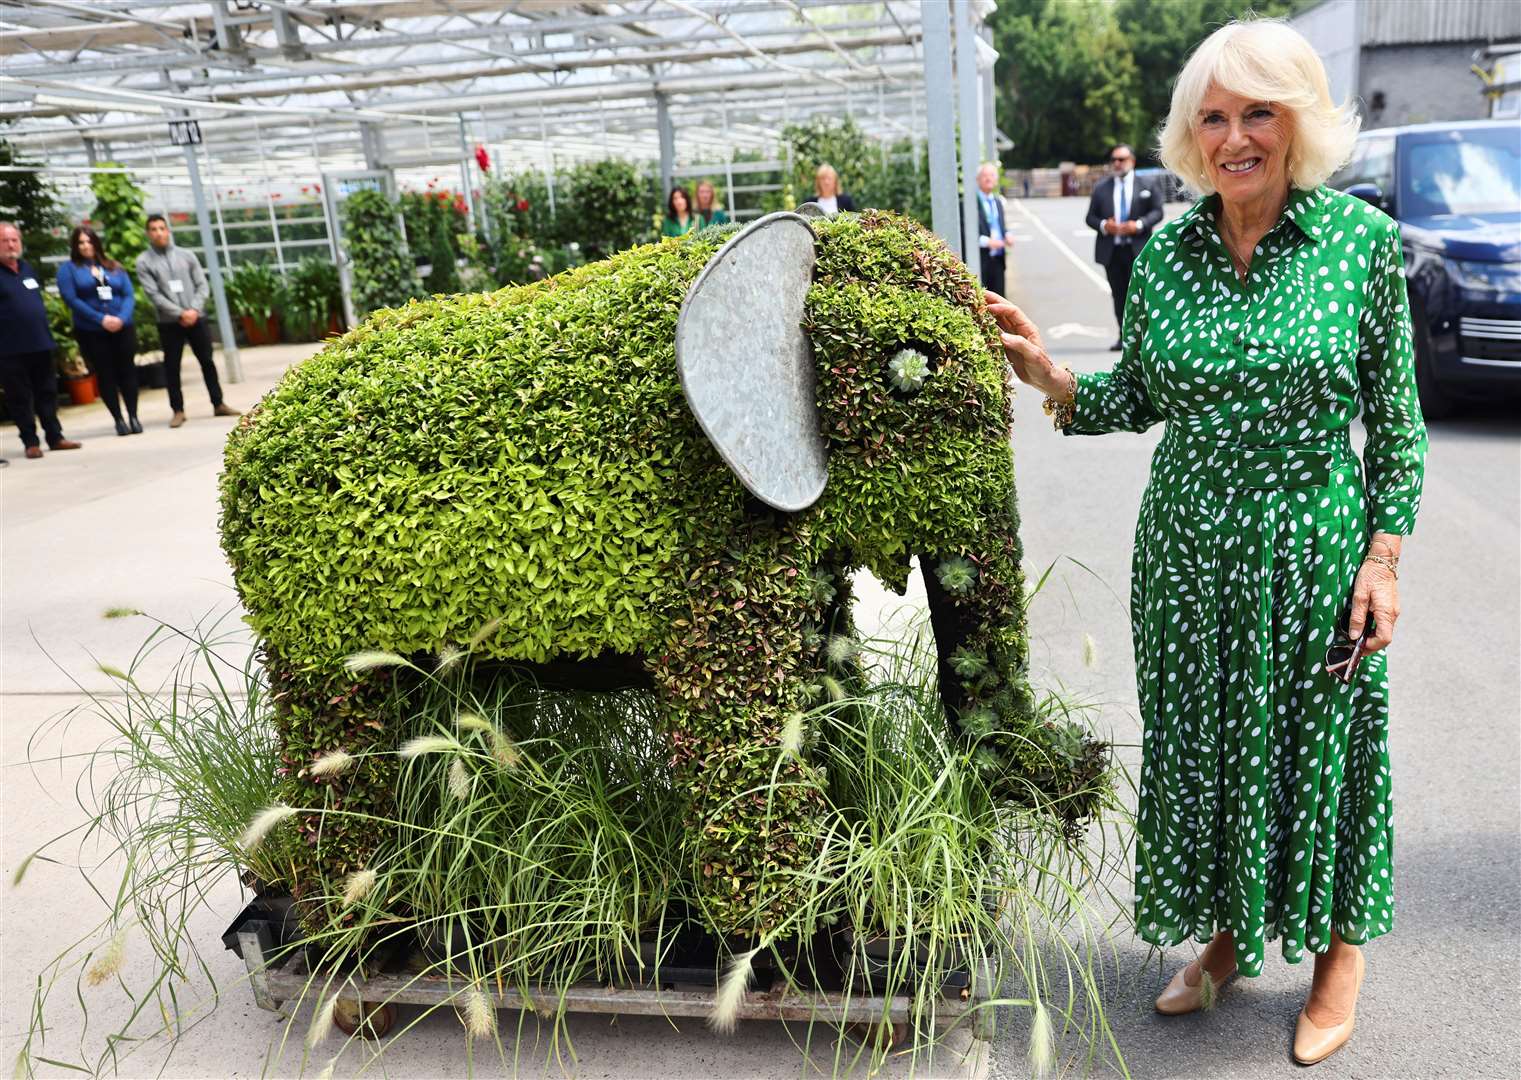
(1346, 652)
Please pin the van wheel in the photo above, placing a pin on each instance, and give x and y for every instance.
(1436, 403)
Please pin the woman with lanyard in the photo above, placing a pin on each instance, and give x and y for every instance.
(99, 294)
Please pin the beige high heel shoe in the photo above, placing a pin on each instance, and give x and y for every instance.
(1314, 1044)
(1180, 998)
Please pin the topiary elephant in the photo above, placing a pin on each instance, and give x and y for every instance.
(669, 461)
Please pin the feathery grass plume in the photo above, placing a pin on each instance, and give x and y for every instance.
(1209, 993)
(358, 886)
(448, 656)
(109, 960)
(21, 870)
(731, 991)
(459, 780)
(832, 687)
(113, 672)
(327, 1070)
(504, 750)
(322, 1022)
(466, 720)
(792, 735)
(428, 744)
(479, 637)
(262, 823)
(1042, 1041)
(1090, 651)
(331, 764)
(840, 649)
(119, 613)
(374, 658)
(480, 1017)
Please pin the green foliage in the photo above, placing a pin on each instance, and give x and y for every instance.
(827, 139)
(526, 459)
(61, 323)
(536, 839)
(119, 216)
(30, 200)
(443, 275)
(256, 290)
(1075, 76)
(608, 207)
(313, 297)
(384, 275)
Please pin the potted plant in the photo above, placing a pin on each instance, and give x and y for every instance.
(313, 298)
(255, 293)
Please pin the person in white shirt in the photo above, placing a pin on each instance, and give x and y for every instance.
(994, 236)
(1123, 213)
(827, 193)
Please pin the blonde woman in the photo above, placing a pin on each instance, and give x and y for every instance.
(1257, 326)
(827, 193)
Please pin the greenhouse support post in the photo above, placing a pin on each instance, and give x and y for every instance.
(940, 121)
(971, 124)
(464, 174)
(667, 144)
(230, 355)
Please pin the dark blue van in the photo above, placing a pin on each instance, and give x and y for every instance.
(1455, 189)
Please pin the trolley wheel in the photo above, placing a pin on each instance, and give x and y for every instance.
(371, 1022)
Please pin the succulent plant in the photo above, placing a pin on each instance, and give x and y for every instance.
(957, 575)
(968, 663)
(909, 369)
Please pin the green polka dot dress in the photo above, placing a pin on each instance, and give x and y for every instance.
(1265, 802)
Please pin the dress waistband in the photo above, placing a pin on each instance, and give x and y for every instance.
(1231, 466)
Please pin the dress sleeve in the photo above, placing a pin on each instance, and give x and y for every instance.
(77, 304)
(128, 296)
(1117, 400)
(1394, 458)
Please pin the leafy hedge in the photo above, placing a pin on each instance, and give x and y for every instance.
(382, 266)
(527, 459)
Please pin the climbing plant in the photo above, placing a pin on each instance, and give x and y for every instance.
(384, 275)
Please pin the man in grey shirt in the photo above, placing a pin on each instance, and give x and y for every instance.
(175, 282)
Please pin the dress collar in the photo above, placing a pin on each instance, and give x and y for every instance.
(1306, 209)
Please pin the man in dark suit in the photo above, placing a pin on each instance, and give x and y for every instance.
(1123, 213)
(993, 233)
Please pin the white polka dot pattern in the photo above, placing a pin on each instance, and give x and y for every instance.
(1265, 805)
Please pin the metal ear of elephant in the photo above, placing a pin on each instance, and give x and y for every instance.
(812, 210)
(746, 364)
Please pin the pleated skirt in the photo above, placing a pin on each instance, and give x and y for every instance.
(1264, 806)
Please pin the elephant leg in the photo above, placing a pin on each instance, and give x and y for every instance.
(954, 625)
(316, 714)
(734, 675)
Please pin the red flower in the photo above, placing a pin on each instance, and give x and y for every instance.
(482, 158)
(522, 205)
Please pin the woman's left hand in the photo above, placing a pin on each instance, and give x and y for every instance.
(1375, 592)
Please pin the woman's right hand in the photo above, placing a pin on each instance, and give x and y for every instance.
(111, 323)
(1022, 345)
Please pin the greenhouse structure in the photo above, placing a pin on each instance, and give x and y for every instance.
(250, 123)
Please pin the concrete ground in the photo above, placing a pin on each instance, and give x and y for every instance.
(131, 522)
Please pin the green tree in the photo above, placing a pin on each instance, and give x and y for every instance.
(828, 140)
(443, 275)
(1161, 34)
(30, 200)
(1066, 80)
(382, 266)
(608, 207)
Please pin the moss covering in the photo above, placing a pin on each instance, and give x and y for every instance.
(527, 457)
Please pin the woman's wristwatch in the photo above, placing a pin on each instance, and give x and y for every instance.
(1062, 412)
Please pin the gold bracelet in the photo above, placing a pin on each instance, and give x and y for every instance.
(1391, 565)
(1062, 412)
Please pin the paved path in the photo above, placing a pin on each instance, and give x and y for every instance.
(132, 522)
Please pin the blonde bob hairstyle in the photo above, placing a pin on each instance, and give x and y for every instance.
(1263, 60)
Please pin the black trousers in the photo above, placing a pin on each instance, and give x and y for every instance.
(1121, 260)
(174, 337)
(113, 358)
(992, 271)
(31, 394)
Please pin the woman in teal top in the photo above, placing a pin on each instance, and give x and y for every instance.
(1257, 325)
(707, 210)
(679, 219)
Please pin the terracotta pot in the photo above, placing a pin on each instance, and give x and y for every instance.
(261, 331)
(82, 390)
